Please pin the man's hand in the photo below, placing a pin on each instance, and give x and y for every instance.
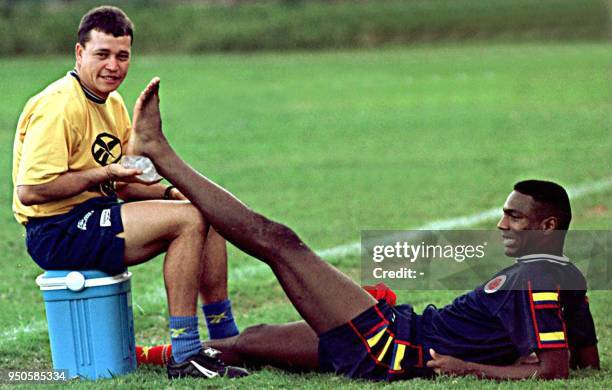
(444, 364)
(116, 172)
(175, 194)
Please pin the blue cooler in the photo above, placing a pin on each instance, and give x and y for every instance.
(91, 326)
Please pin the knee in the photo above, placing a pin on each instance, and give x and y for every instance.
(191, 221)
(279, 240)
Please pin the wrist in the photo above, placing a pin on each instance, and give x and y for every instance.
(109, 173)
(168, 192)
(99, 175)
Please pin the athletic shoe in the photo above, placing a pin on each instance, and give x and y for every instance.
(204, 364)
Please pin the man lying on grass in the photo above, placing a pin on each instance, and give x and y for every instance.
(525, 322)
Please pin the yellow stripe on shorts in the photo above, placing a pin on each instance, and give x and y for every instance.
(384, 350)
(399, 356)
(372, 341)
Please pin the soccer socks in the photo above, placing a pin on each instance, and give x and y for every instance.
(219, 319)
(157, 354)
(185, 337)
(184, 333)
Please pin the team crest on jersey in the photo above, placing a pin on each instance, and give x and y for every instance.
(106, 149)
(495, 284)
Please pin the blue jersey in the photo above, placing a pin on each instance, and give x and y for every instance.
(538, 303)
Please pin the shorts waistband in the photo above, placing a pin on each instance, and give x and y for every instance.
(88, 203)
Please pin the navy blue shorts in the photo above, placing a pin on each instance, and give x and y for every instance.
(83, 238)
(379, 344)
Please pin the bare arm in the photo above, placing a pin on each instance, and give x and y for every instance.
(138, 191)
(587, 357)
(72, 183)
(553, 364)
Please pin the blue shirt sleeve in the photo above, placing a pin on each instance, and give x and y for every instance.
(580, 326)
(531, 314)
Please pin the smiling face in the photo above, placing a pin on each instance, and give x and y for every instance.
(103, 61)
(520, 225)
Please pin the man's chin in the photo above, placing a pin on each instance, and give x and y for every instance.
(107, 88)
(512, 251)
(108, 91)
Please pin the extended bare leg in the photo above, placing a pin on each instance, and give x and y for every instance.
(293, 346)
(324, 296)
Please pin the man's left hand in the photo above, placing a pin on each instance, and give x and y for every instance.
(444, 364)
(175, 194)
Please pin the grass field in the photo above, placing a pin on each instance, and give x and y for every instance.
(336, 142)
(213, 26)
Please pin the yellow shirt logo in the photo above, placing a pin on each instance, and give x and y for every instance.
(106, 149)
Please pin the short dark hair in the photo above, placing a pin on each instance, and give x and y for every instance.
(552, 197)
(108, 19)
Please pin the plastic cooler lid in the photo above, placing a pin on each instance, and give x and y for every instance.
(78, 280)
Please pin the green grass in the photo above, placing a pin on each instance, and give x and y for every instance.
(195, 27)
(336, 142)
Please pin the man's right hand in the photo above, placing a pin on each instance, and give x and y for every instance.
(117, 172)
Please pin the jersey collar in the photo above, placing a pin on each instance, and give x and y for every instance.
(88, 93)
(543, 257)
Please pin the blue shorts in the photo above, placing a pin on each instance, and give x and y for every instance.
(83, 238)
(379, 344)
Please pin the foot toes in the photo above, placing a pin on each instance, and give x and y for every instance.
(151, 89)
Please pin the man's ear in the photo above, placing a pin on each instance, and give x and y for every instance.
(549, 225)
(78, 53)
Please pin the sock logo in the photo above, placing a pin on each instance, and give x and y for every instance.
(145, 352)
(216, 318)
(174, 333)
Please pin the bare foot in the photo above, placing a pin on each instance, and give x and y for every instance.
(147, 138)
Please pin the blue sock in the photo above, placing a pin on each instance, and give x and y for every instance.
(185, 337)
(219, 319)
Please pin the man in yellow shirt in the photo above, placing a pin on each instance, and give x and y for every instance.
(67, 180)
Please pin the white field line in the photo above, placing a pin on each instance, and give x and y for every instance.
(257, 269)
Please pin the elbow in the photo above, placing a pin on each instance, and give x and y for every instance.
(552, 374)
(27, 196)
(554, 364)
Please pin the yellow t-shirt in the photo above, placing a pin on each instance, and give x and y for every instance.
(66, 128)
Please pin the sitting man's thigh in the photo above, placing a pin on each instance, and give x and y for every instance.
(150, 226)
